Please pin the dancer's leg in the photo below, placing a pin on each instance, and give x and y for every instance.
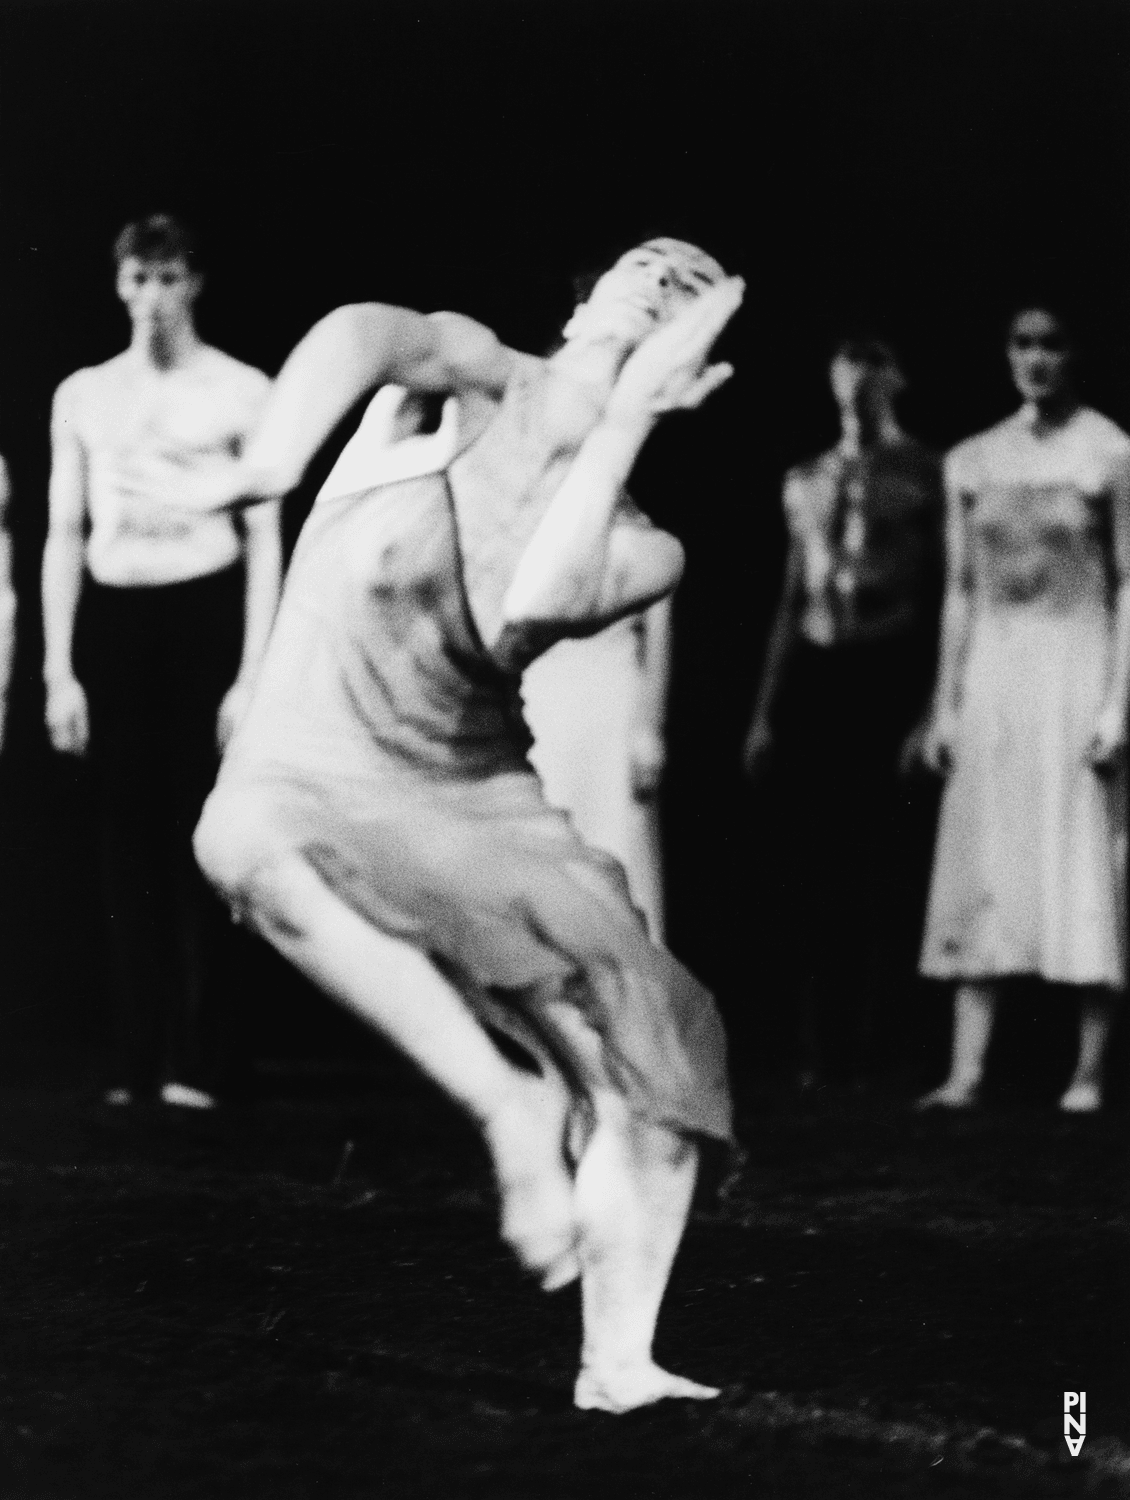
(974, 1012)
(1096, 1020)
(633, 1193)
(394, 987)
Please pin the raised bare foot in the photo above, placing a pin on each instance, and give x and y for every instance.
(639, 1385)
(949, 1096)
(1082, 1099)
(526, 1137)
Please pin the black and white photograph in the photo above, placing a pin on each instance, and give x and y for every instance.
(564, 749)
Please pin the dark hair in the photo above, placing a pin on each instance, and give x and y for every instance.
(157, 237)
(864, 347)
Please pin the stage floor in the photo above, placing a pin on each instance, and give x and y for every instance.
(303, 1297)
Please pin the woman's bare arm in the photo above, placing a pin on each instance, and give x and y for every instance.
(582, 564)
(782, 640)
(1109, 742)
(956, 608)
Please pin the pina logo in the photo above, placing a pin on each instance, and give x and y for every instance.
(1074, 1401)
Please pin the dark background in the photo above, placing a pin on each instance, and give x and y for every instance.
(922, 166)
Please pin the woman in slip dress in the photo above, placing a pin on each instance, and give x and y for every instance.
(1030, 715)
(376, 818)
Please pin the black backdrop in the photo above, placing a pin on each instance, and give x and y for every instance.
(919, 165)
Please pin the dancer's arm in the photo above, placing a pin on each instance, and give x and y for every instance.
(66, 709)
(956, 606)
(7, 599)
(1109, 742)
(348, 353)
(782, 641)
(583, 566)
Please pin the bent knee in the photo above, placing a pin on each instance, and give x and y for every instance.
(238, 851)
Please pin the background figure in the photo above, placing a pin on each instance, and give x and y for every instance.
(845, 681)
(148, 671)
(1030, 714)
(7, 600)
(597, 711)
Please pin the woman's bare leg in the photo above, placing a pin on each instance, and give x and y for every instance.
(974, 1012)
(633, 1193)
(394, 987)
(1084, 1093)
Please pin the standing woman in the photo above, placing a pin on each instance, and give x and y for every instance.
(1030, 714)
(376, 818)
(597, 709)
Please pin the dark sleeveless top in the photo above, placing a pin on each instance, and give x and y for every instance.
(385, 743)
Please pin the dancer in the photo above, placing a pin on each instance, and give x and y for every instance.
(844, 688)
(597, 710)
(1030, 714)
(7, 600)
(148, 671)
(376, 818)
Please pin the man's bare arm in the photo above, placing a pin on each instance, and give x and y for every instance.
(263, 584)
(62, 576)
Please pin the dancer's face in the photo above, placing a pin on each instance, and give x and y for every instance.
(157, 292)
(860, 387)
(644, 289)
(1039, 355)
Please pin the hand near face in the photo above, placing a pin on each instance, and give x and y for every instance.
(67, 716)
(668, 371)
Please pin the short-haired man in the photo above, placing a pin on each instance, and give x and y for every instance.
(149, 672)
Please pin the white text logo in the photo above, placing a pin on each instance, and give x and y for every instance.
(1074, 1401)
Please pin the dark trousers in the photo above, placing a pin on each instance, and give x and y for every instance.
(853, 844)
(155, 663)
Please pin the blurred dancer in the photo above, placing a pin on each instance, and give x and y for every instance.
(7, 600)
(153, 670)
(1030, 714)
(597, 710)
(377, 820)
(843, 689)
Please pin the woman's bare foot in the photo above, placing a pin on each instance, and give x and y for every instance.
(526, 1136)
(1082, 1099)
(951, 1095)
(637, 1385)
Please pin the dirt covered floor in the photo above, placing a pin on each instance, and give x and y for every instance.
(303, 1297)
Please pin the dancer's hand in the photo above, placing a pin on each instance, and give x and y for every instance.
(939, 742)
(232, 710)
(67, 716)
(758, 749)
(1108, 743)
(668, 372)
(647, 759)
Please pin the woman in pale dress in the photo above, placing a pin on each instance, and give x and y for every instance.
(597, 711)
(1030, 715)
(376, 818)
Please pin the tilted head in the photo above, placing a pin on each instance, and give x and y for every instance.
(1041, 352)
(158, 278)
(642, 289)
(865, 376)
